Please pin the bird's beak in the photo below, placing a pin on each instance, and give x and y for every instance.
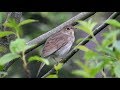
(74, 28)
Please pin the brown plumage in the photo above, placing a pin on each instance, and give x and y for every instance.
(58, 40)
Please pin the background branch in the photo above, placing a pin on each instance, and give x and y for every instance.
(5, 41)
(41, 39)
(17, 16)
(86, 40)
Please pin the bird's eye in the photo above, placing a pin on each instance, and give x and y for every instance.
(68, 28)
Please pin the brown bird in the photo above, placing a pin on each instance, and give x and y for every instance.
(58, 44)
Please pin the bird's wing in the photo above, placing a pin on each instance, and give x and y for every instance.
(54, 43)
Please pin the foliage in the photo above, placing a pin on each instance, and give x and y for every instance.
(3, 74)
(2, 48)
(5, 33)
(8, 57)
(58, 67)
(87, 26)
(18, 46)
(52, 76)
(2, 16)
(113, 22)
(105, 56)
(37, 58)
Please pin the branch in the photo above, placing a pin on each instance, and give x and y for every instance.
(41, 39)
(86, 40)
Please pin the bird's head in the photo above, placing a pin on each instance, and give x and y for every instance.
(69, 30)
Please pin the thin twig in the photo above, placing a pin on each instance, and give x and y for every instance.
(86, 40)
(103, 74)
(25, 65)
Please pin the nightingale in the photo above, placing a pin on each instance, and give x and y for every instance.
(58, 44)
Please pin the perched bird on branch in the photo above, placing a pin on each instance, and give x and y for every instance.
(58, 44)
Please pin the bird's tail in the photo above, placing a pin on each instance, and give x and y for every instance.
(40, 68)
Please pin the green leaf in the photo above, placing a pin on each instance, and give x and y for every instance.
(80, 64)
(110, 37)
(58, 67)
(116, 49)
(117, 45)
(106, 42)
(7, 58)
(2, 48)
(117, 69)
(107, 51)
(37, 58)
(1, 68)
(113, 22)
(5, 33)
(2, 14)
(79, 40)
(0, 17)
(17, 46)
(3, 74)
(85, 29)
(91, 24)
(81, 73)
(6, 24)
(107, 59)
(26, 22)
(11, 23)
(52, 76)
(94, 71)
(90, 55)
(83, 48)
(86, 26)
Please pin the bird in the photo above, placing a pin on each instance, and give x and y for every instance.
(58, 44)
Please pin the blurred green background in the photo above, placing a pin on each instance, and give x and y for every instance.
(48, 21)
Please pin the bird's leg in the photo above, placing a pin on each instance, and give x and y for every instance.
(57, 59)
